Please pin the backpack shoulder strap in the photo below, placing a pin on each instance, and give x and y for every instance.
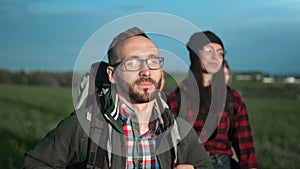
(96, 154)
(94, 85)
(230, 108)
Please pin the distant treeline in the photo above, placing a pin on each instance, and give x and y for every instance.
(57, 79)
(64, 79)
(36, 78)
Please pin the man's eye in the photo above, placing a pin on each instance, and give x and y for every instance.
(132, 62)
(153, 61)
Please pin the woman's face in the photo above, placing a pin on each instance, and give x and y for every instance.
(212, 56)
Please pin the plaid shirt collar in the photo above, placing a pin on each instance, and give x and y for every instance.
(128, 116)
(140, 148)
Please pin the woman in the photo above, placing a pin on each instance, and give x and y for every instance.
(207, 56)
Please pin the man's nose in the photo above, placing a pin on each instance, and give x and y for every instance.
(145, 71)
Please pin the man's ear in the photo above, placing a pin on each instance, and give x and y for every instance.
(110, 72)
(162, 81)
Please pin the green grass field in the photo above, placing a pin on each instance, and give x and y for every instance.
(28, 112)
(275, 125)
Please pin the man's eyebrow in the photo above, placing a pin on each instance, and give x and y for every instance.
(133, 57)
(137, 57)
(152, 55)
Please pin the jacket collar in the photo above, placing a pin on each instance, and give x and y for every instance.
(111, 112)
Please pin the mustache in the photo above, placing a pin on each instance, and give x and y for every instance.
(143, 79)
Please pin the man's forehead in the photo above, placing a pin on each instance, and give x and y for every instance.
(136, 44)
(145, 52)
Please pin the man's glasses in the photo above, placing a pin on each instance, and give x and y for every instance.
(210, 51)
(135, 64)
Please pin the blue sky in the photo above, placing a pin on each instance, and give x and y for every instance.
(49, 34)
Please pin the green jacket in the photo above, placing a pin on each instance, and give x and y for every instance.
(66, 146)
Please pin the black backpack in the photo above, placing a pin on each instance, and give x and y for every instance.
(230, 108)
(95, 83)
(232, 112)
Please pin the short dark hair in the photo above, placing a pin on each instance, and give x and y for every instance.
(113, 47)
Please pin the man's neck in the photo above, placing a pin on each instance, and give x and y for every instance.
(143, 112)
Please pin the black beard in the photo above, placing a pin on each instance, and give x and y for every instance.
(128, 92)
(139, 97)
(145, 96)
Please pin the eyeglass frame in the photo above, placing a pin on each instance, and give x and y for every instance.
(141, 61)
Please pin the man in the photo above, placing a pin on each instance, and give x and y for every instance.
(137, 130)
(207, 55)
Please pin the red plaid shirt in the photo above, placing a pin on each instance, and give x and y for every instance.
(140, 148)
(220, 143)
